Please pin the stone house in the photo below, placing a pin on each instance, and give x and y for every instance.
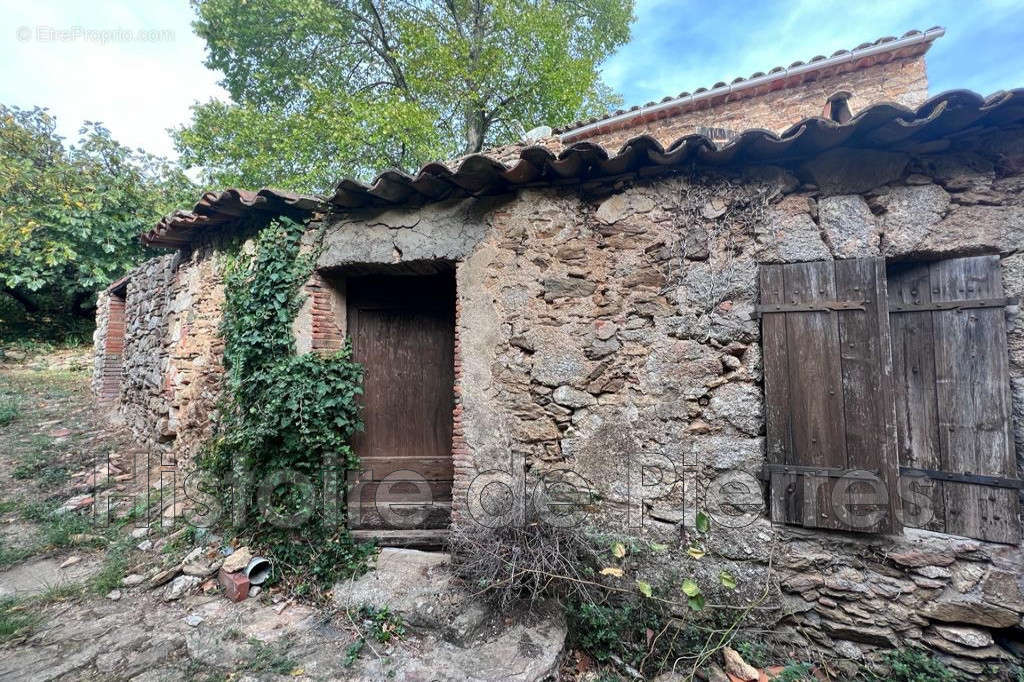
(812, 335)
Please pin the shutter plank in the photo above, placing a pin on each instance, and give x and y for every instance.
(785, 489)
(972, 394)
(917, 421)
(867, 393)
(815, 378)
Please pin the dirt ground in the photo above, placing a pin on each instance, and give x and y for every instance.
(86, 595)
(65, 611)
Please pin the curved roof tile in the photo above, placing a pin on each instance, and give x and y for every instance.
(880, 126)
(923, 42)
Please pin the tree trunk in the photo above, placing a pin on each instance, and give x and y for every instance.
(476, 130)
(28, 304)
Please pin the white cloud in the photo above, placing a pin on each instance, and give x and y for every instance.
(137, 88)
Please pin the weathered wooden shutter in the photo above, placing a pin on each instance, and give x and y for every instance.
(952, 398)
(828, 387)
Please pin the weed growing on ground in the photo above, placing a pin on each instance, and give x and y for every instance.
(10, 406)
(115, 567)
(268, 658)
(15, 618)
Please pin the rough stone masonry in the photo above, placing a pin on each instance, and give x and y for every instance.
(599, 328)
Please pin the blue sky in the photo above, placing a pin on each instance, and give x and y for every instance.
(141, 87)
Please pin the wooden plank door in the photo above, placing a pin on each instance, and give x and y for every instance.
(402, 330)
(828, 388)
(949, 341)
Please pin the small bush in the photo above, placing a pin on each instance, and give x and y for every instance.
(381, 623)
(911, 665)
(115, 567)
(15, 618)
(757, 654)
(9, 408)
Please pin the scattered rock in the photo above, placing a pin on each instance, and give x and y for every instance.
(114, 595)
(737, 667)
(238, 560)
(180, 585)
(164, 576)
(138, 533)
(193, 620)
(70, 561)
(133, 580)
(255, 590)
(199, 569)
(145, 545)
(59, 433)
(77, 502)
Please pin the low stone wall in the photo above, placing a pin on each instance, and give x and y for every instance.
(170, 367)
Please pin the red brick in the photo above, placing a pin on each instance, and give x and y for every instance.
(236, 585)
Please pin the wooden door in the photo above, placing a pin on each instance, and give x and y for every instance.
(828, 375)
(402, 330)
(952, 397)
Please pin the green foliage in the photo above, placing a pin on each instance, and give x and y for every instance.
(72, 215)
(268, 658)
(114, 569)
(911, 665)
(795, 672)
(381, 623)
(283, 446)
(9, 407)
(757, 654)
(327, 88)
(15, 618)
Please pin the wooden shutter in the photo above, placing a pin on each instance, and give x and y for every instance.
(828, 388)
(952, 398)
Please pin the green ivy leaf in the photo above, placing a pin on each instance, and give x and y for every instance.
(696, 602)
(727, 580)
(644, 588)
(703, 522)
(690, 588)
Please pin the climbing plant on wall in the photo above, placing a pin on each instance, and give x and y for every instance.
(279, 463)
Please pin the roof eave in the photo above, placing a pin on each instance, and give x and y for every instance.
(681, 103)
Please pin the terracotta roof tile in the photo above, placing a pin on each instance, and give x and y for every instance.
(547, 163)
(922, 41)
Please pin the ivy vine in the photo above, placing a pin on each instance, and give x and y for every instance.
(282, 451)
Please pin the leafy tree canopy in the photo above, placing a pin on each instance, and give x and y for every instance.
(71, 215)
(327, 88)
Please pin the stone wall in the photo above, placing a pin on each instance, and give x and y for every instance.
(605, 332)
(170, 367)
(903, 81)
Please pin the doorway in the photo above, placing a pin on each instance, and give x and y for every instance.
(402, 329)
